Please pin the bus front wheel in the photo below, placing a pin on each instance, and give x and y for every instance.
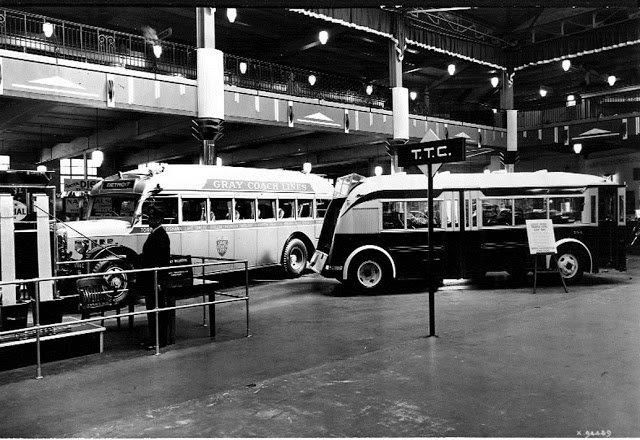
(571, 263)
(114, 278)
(369, 272)
(295, 257)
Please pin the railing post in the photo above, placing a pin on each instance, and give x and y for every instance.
(157, 314)
(37, 323)
(204, 297)
(246, 287)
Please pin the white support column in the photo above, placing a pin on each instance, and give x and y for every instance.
(41, 206)
(512, 137)
(7, 249)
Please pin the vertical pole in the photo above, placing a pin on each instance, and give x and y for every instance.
(535, 272)
(246, 292)
(204, 297)
(157, 314)
(7, 249)
(432, 314)
(37, 324)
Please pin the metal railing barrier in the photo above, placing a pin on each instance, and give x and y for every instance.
(206, 262)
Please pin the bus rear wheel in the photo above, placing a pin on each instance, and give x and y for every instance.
(571, 262)
(369, 272)
(295, 258)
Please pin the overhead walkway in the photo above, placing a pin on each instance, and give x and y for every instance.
(113, 71)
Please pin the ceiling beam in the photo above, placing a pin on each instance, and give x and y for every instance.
(141, 129)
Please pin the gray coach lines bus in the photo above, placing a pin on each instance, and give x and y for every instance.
(267, 217)
(375, 230)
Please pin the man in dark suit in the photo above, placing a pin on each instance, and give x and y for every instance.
(155, 253)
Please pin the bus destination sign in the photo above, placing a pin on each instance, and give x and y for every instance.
(118, 184)
(256, 185)
(424, 153)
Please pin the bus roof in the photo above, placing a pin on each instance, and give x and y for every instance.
(480, 181)
(173, 178)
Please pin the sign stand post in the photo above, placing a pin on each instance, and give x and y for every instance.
(542, 241)
(430, 153)
(432, 287)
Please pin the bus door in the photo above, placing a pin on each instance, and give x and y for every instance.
(607, 223)
(470, 235)
(450, 243)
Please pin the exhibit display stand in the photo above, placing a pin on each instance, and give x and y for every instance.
(542, 242)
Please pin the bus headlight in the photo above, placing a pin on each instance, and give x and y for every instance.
(81, 246)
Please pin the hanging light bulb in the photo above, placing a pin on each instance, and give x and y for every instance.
(47, 28)
(323, 36)
(41, 168)
(243, 67)
(566, 65)
(451, 68)
(97, 157)
(369, 89)
(157, 50)
(494, 110)
(306, 167)
(377, 170)
(611, 80)
(577, 148)
(232, 13)
(543, 92)
(413, 95)
(312, 79)
(494, 81)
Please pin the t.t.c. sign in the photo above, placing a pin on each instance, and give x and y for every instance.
(424, 153)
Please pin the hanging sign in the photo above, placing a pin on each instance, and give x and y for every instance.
(424, 153)
(541, 238)
(80, 184)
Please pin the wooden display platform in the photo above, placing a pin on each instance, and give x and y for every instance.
(72, 340)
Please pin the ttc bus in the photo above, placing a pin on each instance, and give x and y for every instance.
(268, 217)
(376, 228)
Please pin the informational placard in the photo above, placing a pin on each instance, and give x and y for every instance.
(72, 205)
(541, 238)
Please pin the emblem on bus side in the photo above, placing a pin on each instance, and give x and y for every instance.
(221, 246)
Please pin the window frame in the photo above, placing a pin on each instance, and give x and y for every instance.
(190, 222)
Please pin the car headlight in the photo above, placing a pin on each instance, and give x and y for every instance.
(81, 246)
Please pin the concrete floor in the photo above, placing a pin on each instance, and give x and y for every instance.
(322, 362)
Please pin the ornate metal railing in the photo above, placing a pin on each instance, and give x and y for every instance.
(42, 35)
(592, 107)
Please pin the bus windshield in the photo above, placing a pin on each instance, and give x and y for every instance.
(113, 206)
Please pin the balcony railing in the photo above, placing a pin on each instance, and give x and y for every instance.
(38, 34)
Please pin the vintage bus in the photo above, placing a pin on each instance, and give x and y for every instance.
(376, 228)
(268, 217)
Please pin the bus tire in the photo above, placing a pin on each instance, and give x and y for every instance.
(571, 262)
(116, 279)
(369, 272)
(295, 257)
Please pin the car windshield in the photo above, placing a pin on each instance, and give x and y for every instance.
(113, 206)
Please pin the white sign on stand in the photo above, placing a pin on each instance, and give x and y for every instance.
(542, 241)
(541, 238)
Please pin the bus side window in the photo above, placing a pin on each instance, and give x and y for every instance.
(245, 209)
(266, 209)
(393, 215)
(167, 205)
(194, 210)
(220, 209)
(286, 208)
(564, 210)
(530, 208)
(304, 208)
(321, 207)
(497, 212)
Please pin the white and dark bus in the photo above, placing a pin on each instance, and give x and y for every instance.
(376, 228)
(268, 217)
